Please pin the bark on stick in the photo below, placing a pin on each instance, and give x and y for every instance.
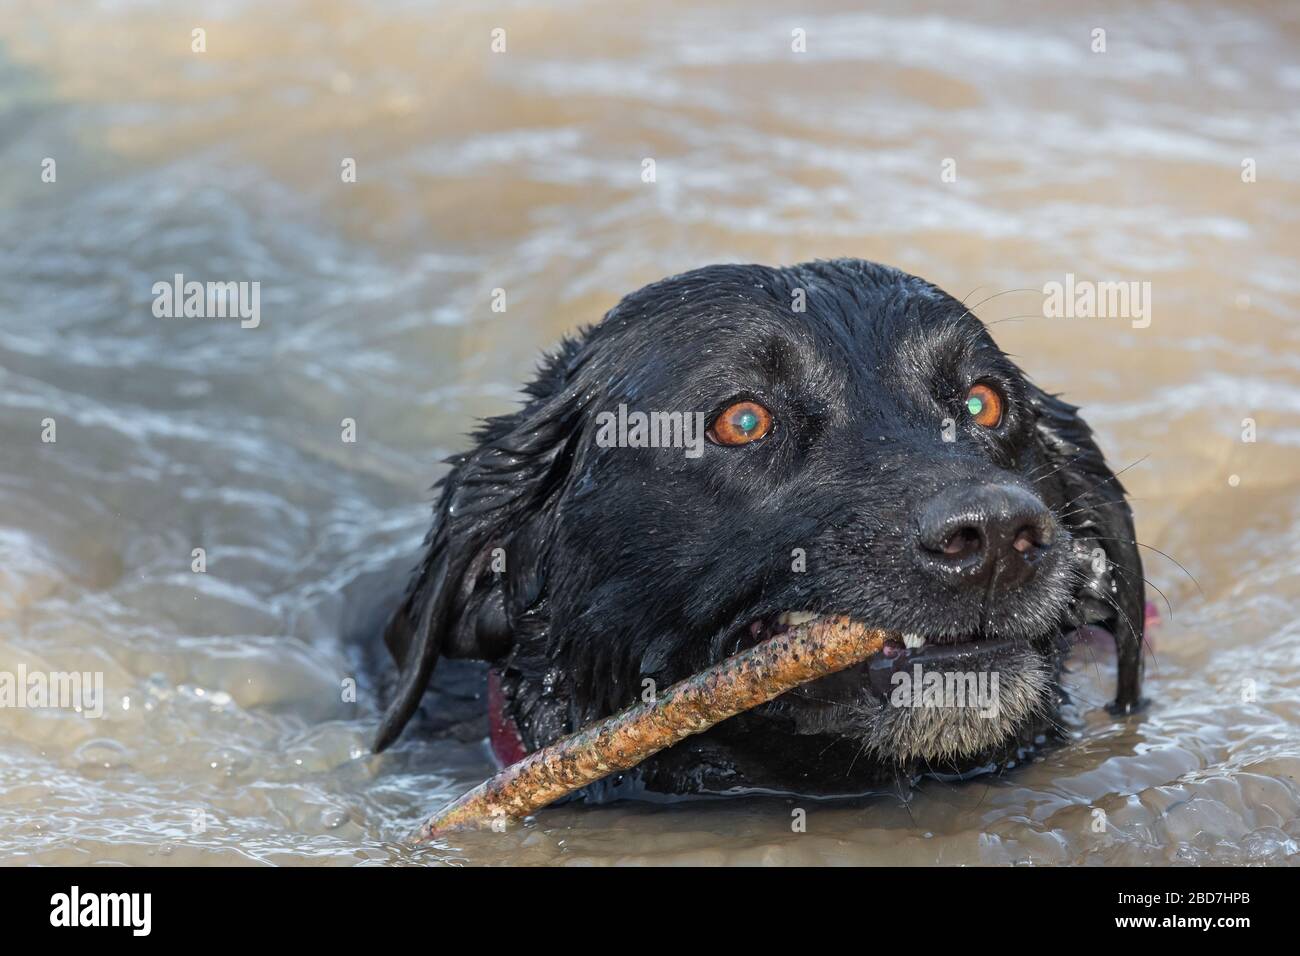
(741, 682)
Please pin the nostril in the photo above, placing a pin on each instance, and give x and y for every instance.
(962, 543)
(1026, 540)
(1030, 538)
(988, 533)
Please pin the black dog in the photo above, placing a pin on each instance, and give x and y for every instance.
(869, 451)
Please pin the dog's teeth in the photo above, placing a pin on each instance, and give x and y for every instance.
(913, 641)
(795, 618)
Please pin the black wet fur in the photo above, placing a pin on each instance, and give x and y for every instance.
(628, 564)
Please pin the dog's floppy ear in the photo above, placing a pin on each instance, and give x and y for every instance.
(1097, 508)
(460, 600)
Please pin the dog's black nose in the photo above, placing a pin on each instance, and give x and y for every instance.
(967, 534)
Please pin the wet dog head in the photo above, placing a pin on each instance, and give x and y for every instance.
(736, 448)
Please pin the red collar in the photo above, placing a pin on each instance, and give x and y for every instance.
(503, 733)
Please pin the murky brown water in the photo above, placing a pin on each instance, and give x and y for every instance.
(522, 171)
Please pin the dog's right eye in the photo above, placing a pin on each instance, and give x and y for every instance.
(740, 424)
(985, 405)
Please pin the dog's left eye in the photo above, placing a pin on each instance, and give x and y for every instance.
(740, 424)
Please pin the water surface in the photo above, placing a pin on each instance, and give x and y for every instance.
(226, 737)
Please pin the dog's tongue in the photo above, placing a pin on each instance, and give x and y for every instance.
(1151, 625)
(1101, 637)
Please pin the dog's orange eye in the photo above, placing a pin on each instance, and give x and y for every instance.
(740, 424)
(985, 405)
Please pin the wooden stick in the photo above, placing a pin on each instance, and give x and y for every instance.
(741, 682)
